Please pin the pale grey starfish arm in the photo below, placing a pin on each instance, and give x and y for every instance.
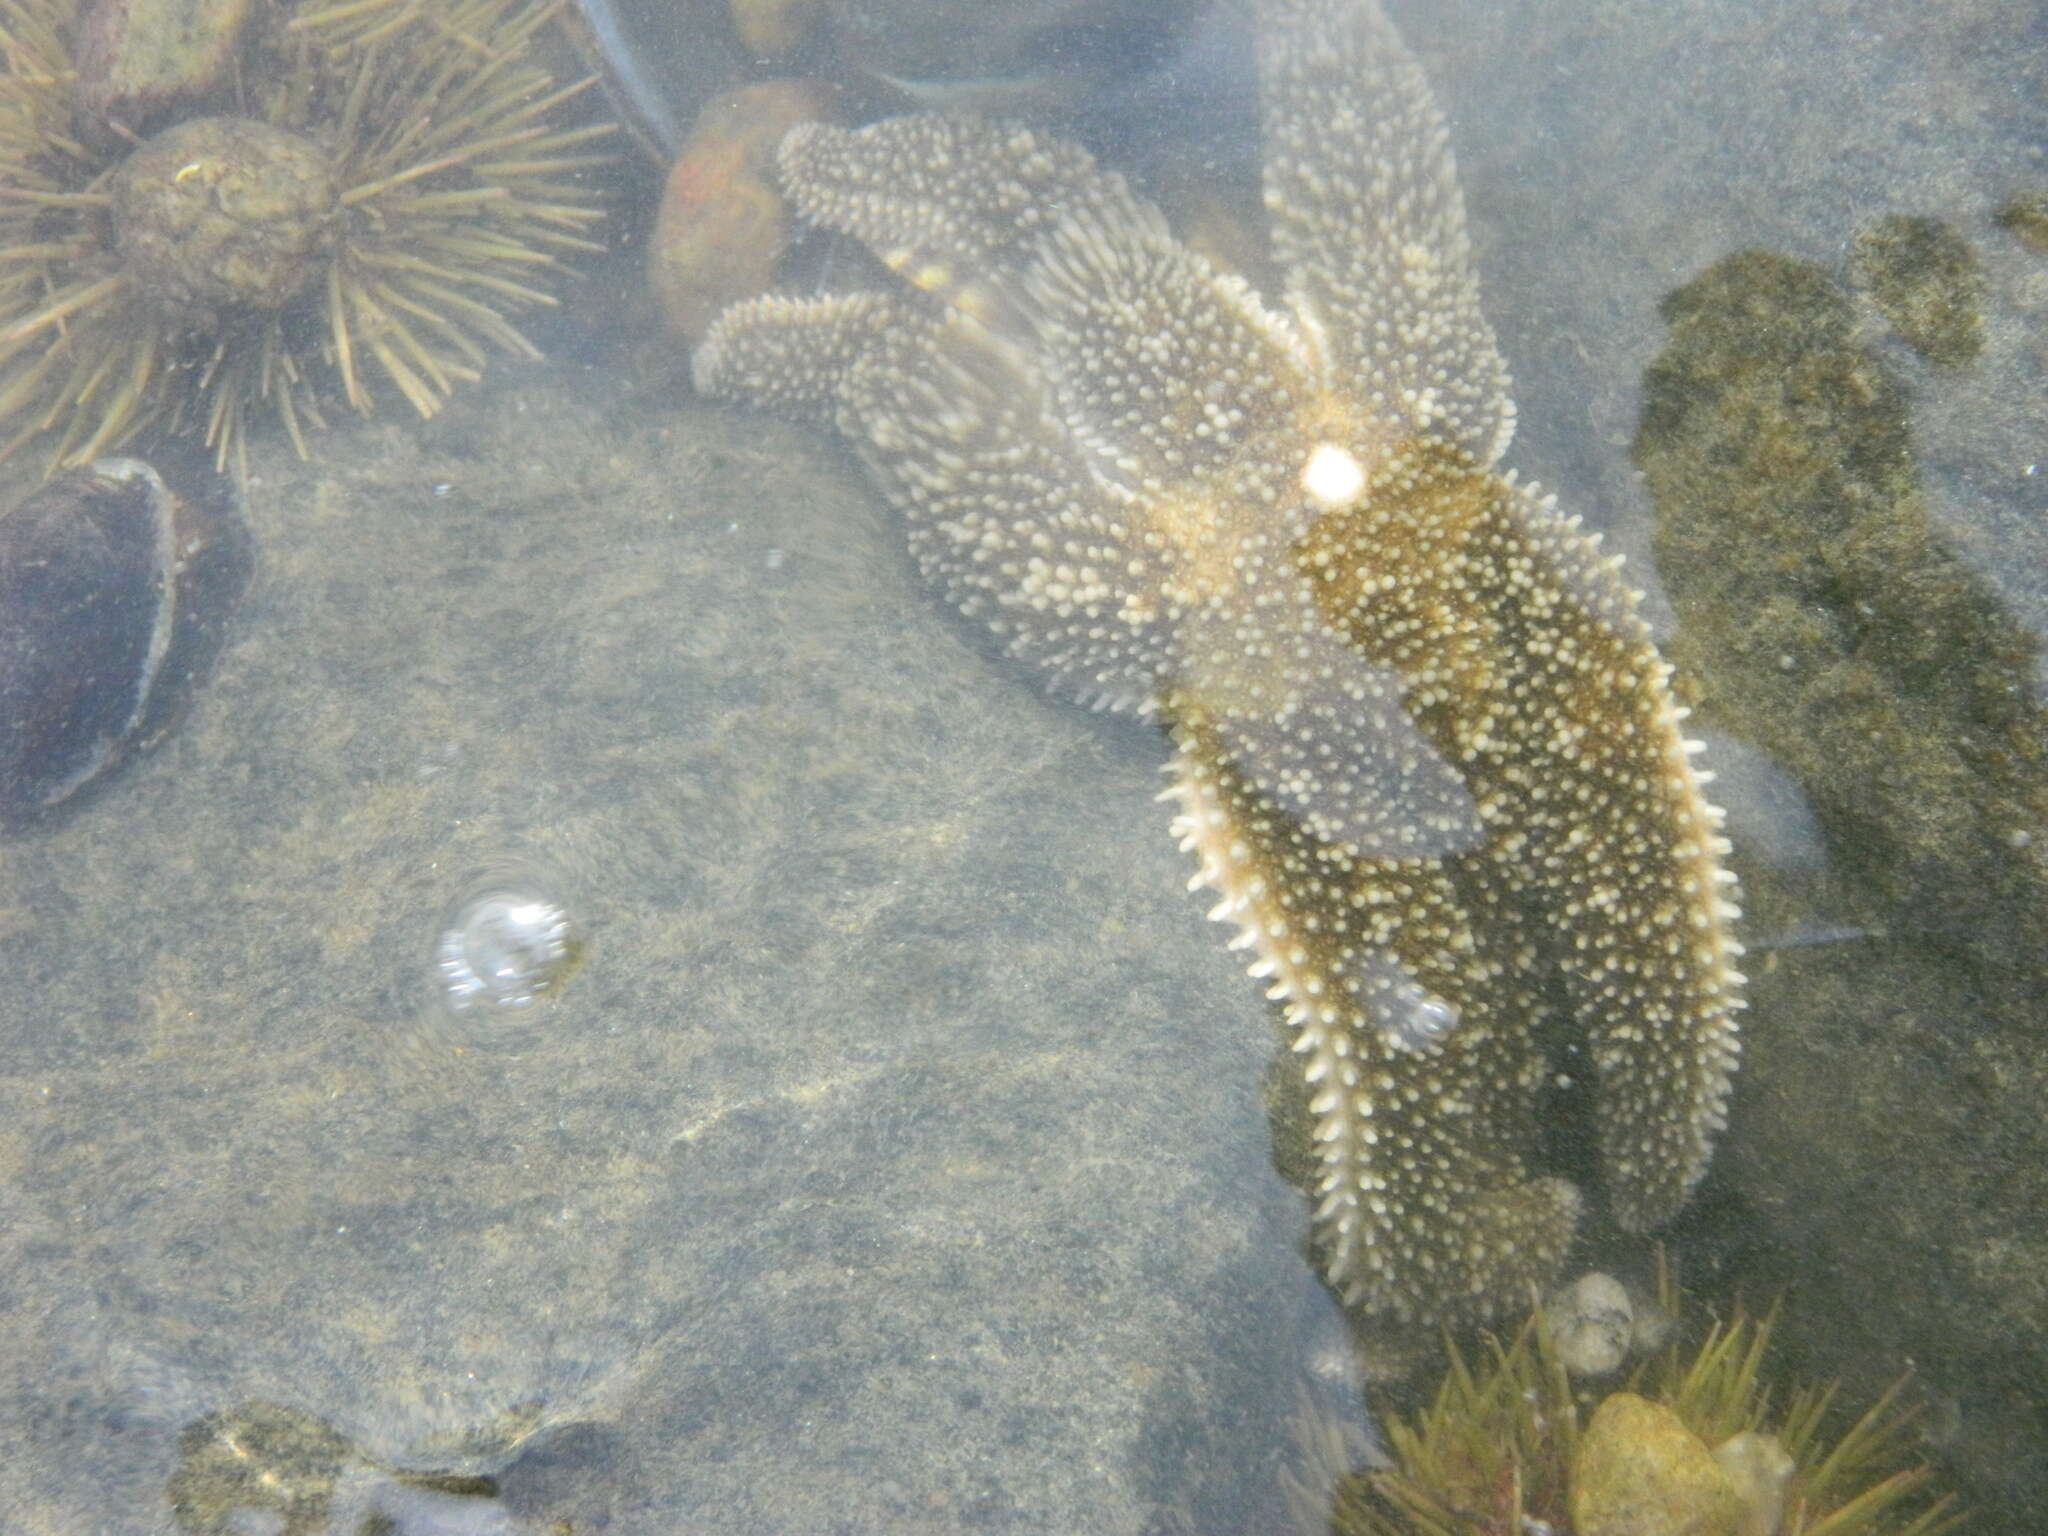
(1344, 757)
(809, 358)
(1369, 227)
(1002, 514)
(955, 433)
(973, 197)
(1157, 366)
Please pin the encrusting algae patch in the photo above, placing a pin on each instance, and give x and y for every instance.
(1828, 618)
(1836, 612)
(1423, 747)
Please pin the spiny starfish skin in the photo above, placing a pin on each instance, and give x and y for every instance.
(1423, 746)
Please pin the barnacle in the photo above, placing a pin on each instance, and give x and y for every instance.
(390, 186)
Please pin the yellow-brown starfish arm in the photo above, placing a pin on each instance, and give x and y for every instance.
(1412, 990)
(1592, 911)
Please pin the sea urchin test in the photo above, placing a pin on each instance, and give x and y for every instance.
(394, 190)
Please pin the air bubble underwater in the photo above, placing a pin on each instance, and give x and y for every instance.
(505, 948)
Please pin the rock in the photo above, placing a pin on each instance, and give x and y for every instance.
(1591, 1323)
(1927, 281)
(1640, 1472)
(1761, 1469)
(892, 1161)
(723, 227)
(142, 61)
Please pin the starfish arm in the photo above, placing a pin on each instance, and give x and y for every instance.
(1411, 1001)
(941, 198)
(1369, 226)
(955, 430)
(1339, 752)
(1629, 873)
(1531, 672)
(808, 358)
(1160, 367)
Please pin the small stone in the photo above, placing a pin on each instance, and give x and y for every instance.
(1592, 1325)
(772, 31)
(142, 62)
(1640, 1472)
(1761, 1470)
(1651, 1327)
(722, 227)
(258, 1467)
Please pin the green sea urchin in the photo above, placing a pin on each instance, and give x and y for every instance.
(386, 186)
(1698, 1438)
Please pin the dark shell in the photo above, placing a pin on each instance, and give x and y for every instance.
(114, 598)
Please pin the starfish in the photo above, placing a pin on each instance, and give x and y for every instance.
(1422, 744)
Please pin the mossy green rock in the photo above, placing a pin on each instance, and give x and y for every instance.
(1640, 1472)
(1826, 618)
(1926, 279)
(2027, 217)
(1890, 1135)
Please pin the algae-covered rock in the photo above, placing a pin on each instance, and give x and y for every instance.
(1925, 278)
(139, 61)
(1640, 1472)
(1892, 1139)
(2027, 217)
(1827, 620)
(813, 1132)
(260, 1461)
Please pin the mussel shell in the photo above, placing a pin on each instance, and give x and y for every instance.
(115, 593)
